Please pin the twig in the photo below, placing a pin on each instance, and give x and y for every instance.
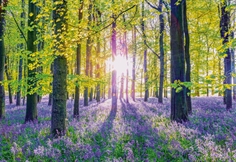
(147, 44)
(18, 26)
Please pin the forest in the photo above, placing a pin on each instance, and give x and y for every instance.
(119, 80)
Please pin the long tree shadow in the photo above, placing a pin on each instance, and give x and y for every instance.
(142, 136)
(102, 136)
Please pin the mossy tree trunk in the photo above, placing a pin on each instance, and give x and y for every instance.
(31, 102)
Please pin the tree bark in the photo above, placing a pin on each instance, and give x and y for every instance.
(31, 102)
(224, 31)
(114, 74)
(178, 99)
(2, 60)
(78, 66)
(187, 59)
(58, 120)
(134, 64)
(146, 89)
(88, 57)
(9, 78)
(22, 24)
(161, 44)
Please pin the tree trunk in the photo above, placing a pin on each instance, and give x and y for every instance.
(88, 56)
(161, 44)
(187, 59)
(31, 102)
(58, 120)
(78, 66)
(224, 31)
(122, 86)
(178, 99)
(50, 95)
(22, 24)
(2, 60)
(9, 78)
(134, 64)
(98, 75)
(114, 75)
(146, 89)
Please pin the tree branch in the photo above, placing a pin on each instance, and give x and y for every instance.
(147, 44)
(154, 7)
(22, 33)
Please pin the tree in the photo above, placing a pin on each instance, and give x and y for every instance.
(146, 89)
(22, 24)
(114, 74)
(31, 103)
(58, 120)
(187, 58)
(2, 59)
(161, 44)
(178, 98)
(88, 56)
(224, 32)
(134, 63)
(78, 65)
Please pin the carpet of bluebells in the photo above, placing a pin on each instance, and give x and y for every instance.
(138, 131)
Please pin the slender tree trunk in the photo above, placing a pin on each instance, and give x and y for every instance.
(88, 57)
(50, 95)
(179, 110)
(31, 103)
(91, 76)
(9, 78)
(78, 66)
(122, 86)
(146, 89)
(98, 75)
(134, 64)
(161, 44)
(22, 24)
(2, 60)
(224, 31)
(187, 59)
(114, 74)
(165, 77)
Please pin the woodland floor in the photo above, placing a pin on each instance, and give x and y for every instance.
(139, 131)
